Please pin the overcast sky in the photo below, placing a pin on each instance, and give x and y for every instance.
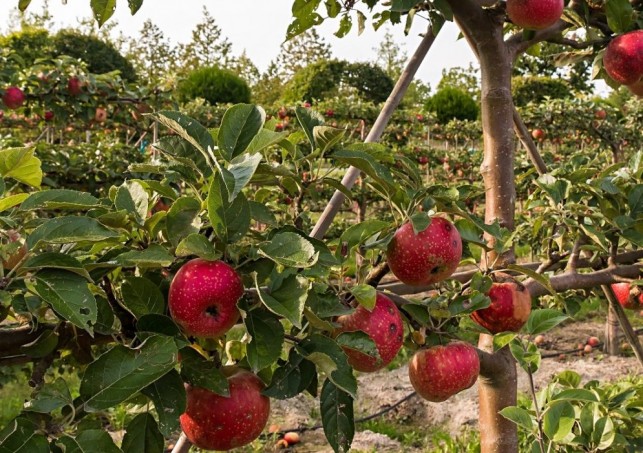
(259, 28)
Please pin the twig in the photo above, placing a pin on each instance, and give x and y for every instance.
(539, 419)
(377, 274)
(375, 133)
(182, 445)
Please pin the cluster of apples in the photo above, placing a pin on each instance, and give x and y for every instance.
(203, 301)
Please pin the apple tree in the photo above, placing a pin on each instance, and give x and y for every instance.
(95, 286)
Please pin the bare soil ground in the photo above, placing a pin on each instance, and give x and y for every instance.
(383, 389)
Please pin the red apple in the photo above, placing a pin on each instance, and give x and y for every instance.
(215, 422)
(330, 113)
(100, 115)
(623, 58)
(600, 114)
(74, 87)
(440, 372)
(307, 104)
(49, 116)
(534, 14)
(627, 300)
(423, 160)
(419, 117)
(16, 252)
(538, 134)
(510, 306)
(279, 127)
(13, 98)
(587, 349)
(383, 325)
(282, 113)
(203, 297)
(292, 438)
(428, 257)
(593, 341)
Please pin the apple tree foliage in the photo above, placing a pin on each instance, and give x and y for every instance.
(91, 292)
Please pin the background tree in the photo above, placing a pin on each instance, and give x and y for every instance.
(208, 46)
(301, 51)
(152, 54)
(464, 79)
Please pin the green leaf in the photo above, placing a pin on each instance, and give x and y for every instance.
(142, 296)
(469, 232)
(519, 416)
(143, 436)
(265, 138)
(290, 249)
(153, 256)
(368, 165)
(568, 378)
(134, 5)
(69, 229)
(527, 357)
(402, 6)
(23, 5)
(12, 200)
(55, 260)
(635, 201)
(501, 340)
(230, 219)
(337, 417)
(243, 168)
(21, 165)
(308, 120)
(286, 297)
(291, 378)
(178, 149)
(192, 131)
(358, 234)
(576, 395)
(558, 420)
(42, 346)
(543, 320)
(122, 372)
(89, 441)
(557, 189)
(197, 244)
(620, 15)
(198, 371)
(259, 212)
(60, 199)
(365, 295)
(604, 433)
(21, 436)
(328, 356)
(540, 278)
(420, 222)
(239, 126)
(183, 219)
(50, 397)
(358, 341)
(267, 338)
(133, 198)
(69, 296)
(327, 137)
(103, 10)
(168, 396)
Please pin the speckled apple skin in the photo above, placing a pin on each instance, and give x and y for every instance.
(534, 14)
(428, 257)
(623, 58)
(439, 372)
(201, 285)
(383, 325)
(509, 310)
(215, 422)
(622, 293)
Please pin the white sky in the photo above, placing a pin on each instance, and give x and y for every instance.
(259, 27)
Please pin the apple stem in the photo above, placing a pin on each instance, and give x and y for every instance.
(182, 445)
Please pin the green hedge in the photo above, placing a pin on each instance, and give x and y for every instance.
(215, 85)
(451, 103)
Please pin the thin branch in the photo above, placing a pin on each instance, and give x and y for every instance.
(182, 445)
(525, 137)
(376, 275)
(375, 133)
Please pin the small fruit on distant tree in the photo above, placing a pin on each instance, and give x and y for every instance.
(538, 134)
(330, 113)
(49, 116)
(439, 372)
(427, 257)
(593, 341)
(600, 114)
(74, 86)
(622, 291)
(101, 115)
(15, 249)
(282, 113)
(203, 298)
(623, 58)
(534, 14)
(13, 98)
(215, 422)
(423, 160)
(383, 325)
(510, 306)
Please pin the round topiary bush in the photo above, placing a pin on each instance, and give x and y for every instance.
(451, 103)
(101, 57)
(535, 89)
(327, 78)
(215, 85)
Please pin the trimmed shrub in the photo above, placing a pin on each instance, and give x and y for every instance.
(451, 103)
(535, 89)
(215, 85)
(370, 81)
(101, 57)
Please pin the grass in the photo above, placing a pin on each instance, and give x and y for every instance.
(13, 395)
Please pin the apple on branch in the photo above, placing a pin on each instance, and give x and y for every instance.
(215, 422)
(203, 298)
(510, 306)
(534, 14)
(13, 98)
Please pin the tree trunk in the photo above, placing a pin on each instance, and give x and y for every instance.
(612, 333)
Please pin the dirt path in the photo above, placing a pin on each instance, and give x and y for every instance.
(380, 390)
